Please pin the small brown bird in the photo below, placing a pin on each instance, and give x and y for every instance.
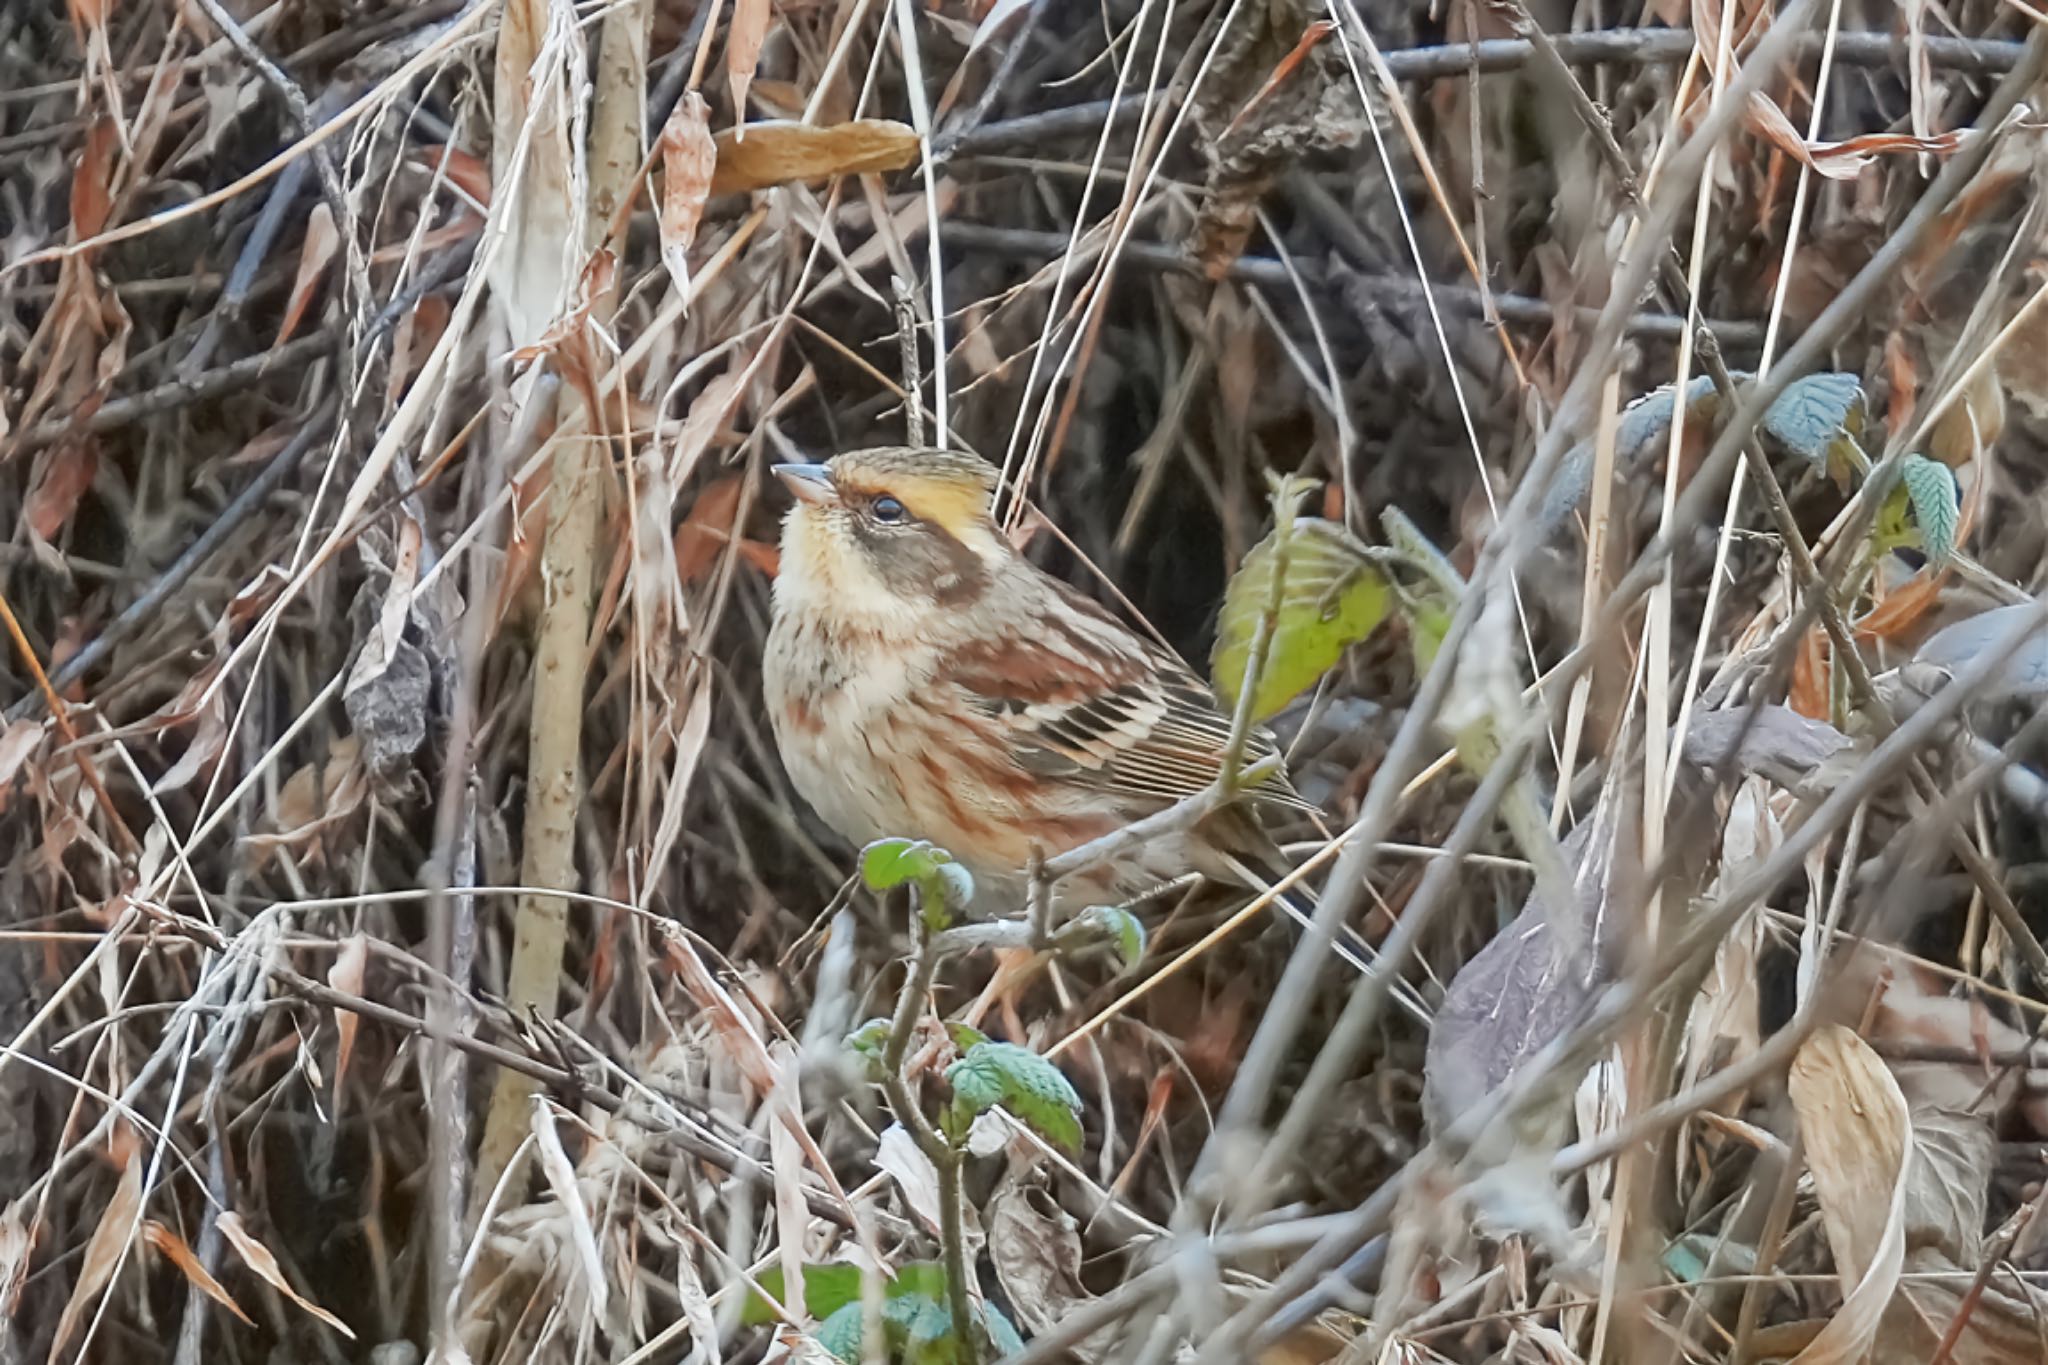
(925, 680)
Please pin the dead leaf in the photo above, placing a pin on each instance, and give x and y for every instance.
(688, 156)
(315, 255)
(743, 53)
(257, 1257)
(786, 1159)
(64, 471)
(20, 739)
(1840, 160)
(561, 1178)
(180, 1255)
(778, 152)
(351, 964)
(108, 1245)
(1857, 1131)
(463, 171)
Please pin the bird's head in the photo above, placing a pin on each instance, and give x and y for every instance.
(892, 527)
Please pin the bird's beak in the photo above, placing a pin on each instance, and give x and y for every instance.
(810, 482)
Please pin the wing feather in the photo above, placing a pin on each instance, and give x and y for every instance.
(1082, 699)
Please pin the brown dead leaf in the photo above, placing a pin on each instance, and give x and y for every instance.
(350, 966)
(1857, 1131)
(257, 1257)
(464, 171)
(63, 473)
(1809, 694)
(1839, 160)
(687, 160)
(315, 255)
(180, 1255)
(777, 153)
(743, 52)
(108, 1244)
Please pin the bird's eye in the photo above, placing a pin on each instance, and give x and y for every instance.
(889, 511)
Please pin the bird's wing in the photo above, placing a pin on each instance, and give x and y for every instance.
(1080, 698)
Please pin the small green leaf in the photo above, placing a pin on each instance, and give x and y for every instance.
(944, 884)
(1931, 488)
(1819, 418)
(841, 1332)
(1021, 1081)
(1894, 525)
(1119, 925)
(966, 1036)
(1332, 596)
(1429, 620)
(889, 863)
(869, 1041)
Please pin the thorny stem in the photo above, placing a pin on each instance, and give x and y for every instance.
(945, 1158)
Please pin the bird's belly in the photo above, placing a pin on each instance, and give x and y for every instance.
(876, 755)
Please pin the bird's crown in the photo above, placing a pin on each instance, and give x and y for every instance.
(951, 489)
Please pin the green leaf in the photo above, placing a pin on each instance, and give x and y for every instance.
(1429, 620)
(1819, 418)
(1932, 491)
(1120, 926)
(828, 1287)
(945, 885)
(1332, 596)
(889, 863)
(870, 1040)
(1893, 527)
(1022, 1082)
(966, 1036)
(841, 1332)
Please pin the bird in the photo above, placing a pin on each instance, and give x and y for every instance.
(924, 679)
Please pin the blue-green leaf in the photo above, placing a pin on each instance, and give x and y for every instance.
(1021, 1081)
(841, 1332)
(1121, 926)
(1931, 488)
(1819, 418)
(1002, 1334)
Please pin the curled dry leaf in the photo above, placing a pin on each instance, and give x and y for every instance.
(1839, 160)
(688, 157)
(779, 152)
(257, 1257)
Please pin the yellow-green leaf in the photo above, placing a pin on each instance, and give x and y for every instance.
(1332, 596)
